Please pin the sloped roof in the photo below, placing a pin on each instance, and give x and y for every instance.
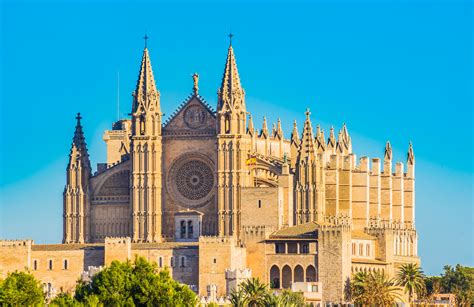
(359, 234)
(307, 230)
(199, 98)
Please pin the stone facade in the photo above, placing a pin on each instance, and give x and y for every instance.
(216, 200)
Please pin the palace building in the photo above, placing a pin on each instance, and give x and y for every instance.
(217, 201)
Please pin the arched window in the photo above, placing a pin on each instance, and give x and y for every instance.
(183, 229)
(311, 274)
(305, 248)
(142, 125)
(361, 249)
(367, 250)
(299, 274)
(274, 277)
(227, 124)
(190, 230)
(353, 248)
(183, 261)
(286, 277)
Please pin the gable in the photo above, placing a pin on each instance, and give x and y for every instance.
(192, 117)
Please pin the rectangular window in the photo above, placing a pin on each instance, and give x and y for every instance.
(367, 250)
(259, 203)
(35, 265)
(305, 249)
(65, 264)
(314, 288)
(50, 264)
(353, 248)
(361, 249)
(183, 262)
(172, 261)
(160, 262)
(215, 260)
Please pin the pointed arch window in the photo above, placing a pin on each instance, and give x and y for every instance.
(227, 124)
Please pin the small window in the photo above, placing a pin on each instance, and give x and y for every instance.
(367, 250)
(314, 288)
(259, 203)
(35, 265)
(50, 264)
(361, 249)
(172, 261)
(183, 229)
(65, 264)
(183, 262)
(353, 248)
(215, 260)
(160, 262)
(190, 230)
(305, 249)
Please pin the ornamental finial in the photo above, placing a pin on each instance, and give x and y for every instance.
(196, 83)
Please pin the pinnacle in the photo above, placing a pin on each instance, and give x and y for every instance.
(146, 81)
(410, 154)
(230, 80)
(388, 151)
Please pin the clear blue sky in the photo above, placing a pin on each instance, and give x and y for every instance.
(392, 70)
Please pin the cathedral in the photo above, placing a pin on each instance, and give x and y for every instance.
(216, 200)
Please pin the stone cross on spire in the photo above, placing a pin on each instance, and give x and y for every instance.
(146, 37)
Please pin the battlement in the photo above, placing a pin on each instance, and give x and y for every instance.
(216, 240)
(238, 273)
(16, 243)
(377, 224)
(258, 231)
(117, 240)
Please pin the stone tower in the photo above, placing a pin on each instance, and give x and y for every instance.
(76, 199)
(233, 144)
(146, 156)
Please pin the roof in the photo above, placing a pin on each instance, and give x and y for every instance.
(307, 230)
(66, 247)
(165, 245)
(358, 234)
(368, 261)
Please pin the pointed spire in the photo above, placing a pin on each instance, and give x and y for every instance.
(388, 151)
(307, 138)
(250, 128)
(146, 82)
(410, 155)
(274, 130)
(331, 139)
(279, 130)
(231, 91)
(264, 131)
(320, 140)
(79, 146)
(295, 139)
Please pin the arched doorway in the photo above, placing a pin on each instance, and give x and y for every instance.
(275, 277)
(299, 273)
(311, 273)
(286, 277)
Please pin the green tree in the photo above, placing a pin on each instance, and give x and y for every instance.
(237, 298)
(135, 284)
(291, 299)
(411, 278)
(460, 282)
(21, 289)
(255, 292)
(64, 299)
(374, 288)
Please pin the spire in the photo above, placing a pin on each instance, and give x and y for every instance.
(146, 83)
(250, 128)
(307, 138)
(79, 146)
(231, 91)
(388, 151)
(79, 141)
(331, 139)
(279, 130)
(295, 139)
(410, 155)
(264, 131)
(320, 140)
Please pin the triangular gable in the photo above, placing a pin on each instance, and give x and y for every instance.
(194, 114)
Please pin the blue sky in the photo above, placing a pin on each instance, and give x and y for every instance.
(392, 70)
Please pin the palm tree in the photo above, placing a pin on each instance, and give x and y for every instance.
(374, 288)
(411, 277)
(255, 292)
(237, 298)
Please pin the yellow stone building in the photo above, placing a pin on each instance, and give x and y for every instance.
(217, 201)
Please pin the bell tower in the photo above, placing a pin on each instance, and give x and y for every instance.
(233, 145)
(146, 156)
(76, 209)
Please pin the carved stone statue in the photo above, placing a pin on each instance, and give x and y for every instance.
(196, 81)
